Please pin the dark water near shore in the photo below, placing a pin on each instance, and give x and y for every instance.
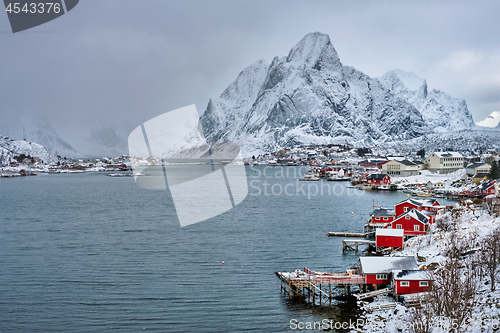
(90, 253)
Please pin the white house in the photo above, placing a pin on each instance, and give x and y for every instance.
(474, 168)
(444, 162)
(401, 168)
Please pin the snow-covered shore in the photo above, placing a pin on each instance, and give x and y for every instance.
(471, 223)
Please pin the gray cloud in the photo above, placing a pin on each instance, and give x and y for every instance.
(124, 62)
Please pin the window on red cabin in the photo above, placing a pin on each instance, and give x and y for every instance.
(406, 209)
(381, 276)
(377, 218)
(399, 226)
(404, 284)
(385, 218)
(416, 228)
(423, 283)
(407, 217)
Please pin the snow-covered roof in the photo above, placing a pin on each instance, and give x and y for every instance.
(416, 215)
(411, 274)
(419, 202)
(396, 158)
(487, 184)
(448, 154)
(377, 265)
(408, 163)
(428, 213)
(389, 232)
(383, 212)
(377, 176)
(475, 165)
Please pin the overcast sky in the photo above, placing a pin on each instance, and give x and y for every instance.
(128, 61)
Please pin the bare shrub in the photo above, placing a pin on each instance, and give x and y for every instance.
(421, 318)
(444, 223)
(490, 256)
(455, 284)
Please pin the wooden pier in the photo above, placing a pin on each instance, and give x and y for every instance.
(353, 244)
(345, 234)
(310, 284)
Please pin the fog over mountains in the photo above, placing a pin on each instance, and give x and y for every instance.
(95, 142)
(305, 97)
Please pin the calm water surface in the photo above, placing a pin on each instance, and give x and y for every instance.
(91, 253)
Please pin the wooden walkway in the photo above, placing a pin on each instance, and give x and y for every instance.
(373, 293)
(310, 284)
(345, 234)
(353, 244)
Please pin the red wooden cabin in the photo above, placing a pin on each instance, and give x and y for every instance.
(431, 205)
(389, 238)
(411, 281)
(413, 223)
(378, 270)
(378, 179)
(382, 216)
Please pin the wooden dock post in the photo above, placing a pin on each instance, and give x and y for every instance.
(320, 294)
(314, 291)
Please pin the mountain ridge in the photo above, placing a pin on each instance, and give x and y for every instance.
(309, 96)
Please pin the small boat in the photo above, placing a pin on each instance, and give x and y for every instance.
(309, 178)
(423, 194)
(384, 188)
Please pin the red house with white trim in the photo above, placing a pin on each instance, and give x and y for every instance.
(411, 281)
(429, 205)
(487, 187)
(382, 216)
(413, 223)
(378, 179)
(378, 270)
(389, 237)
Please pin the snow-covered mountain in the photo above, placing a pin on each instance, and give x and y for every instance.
(309, 97)
(103, 140)
(493, 120)
(100, 140)
(10, 148)
(440, 111)
(39, 130)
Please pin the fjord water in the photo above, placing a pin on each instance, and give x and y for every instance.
(90, 253)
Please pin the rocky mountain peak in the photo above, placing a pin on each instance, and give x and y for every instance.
(309, 97)
(315, 50)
